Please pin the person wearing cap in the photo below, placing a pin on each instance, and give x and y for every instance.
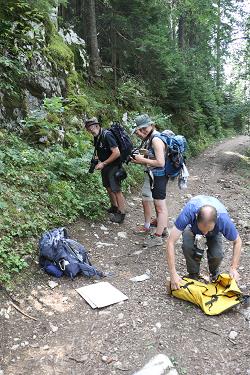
(154, 188)
(109, 163)
(203, 218)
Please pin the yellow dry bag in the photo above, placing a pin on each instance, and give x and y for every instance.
(213, 298)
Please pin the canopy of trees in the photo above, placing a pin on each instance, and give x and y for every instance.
(165, 56)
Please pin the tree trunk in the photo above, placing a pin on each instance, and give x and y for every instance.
(181, 32)
(95, 60)
(218, 46)
(114, 52)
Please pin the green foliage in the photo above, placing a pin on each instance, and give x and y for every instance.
(15, 25)
(60, 54)
(41, 189)
(244, 169)
(132, 95)
(45, 6)
(162, 58)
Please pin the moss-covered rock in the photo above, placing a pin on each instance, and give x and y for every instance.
(60, 54)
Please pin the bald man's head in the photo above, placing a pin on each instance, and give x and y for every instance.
(206, 218)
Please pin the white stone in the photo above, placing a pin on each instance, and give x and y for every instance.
(158, 365)
(138, 252)
(52, 284)
(14, 347)
(102, 227)
(53, 328)
(102, 244)
(233, 335)
(122, 234)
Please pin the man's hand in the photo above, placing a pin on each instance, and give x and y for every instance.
(234, 273)
(175, 281)
(100, 166)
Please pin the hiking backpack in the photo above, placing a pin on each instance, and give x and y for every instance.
(123, 140)
(59, 255)
(176, 147)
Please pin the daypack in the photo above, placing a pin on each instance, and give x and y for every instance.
(123, 140)
(176, 148)
(213, 298)
(60, 255)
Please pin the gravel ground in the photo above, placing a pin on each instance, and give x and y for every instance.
(69, 337)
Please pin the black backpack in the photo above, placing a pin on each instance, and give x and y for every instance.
(123, 140)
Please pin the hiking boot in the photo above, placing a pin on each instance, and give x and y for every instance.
(194, 276)
(141, 230)
(153, 224)
(152, 241)
(213, 276)
(117, 217)
(112, 210)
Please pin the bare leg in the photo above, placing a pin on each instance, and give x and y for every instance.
(120, 201)
(112, 197)
(147, 210)
(162, 215)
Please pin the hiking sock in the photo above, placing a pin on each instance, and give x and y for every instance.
(146, 225)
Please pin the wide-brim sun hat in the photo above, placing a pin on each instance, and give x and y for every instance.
(142, 121)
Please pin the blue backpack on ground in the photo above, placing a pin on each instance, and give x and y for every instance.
(176, 148)
(59, 255)
(123, 140)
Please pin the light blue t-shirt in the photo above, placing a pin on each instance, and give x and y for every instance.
(223, 224)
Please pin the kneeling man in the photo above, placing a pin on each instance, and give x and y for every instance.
(202, 222)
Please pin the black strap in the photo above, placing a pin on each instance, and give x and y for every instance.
(149, 138)
(97, 143)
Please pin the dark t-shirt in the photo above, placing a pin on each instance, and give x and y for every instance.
(104, 145)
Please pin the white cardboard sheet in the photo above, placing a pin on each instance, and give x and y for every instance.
(101, 294)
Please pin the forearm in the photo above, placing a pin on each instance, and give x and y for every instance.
(236, 253)
(171, 258)
(151, 162)
(112, 157)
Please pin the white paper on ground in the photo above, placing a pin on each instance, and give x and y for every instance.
(101, 294)
(143, 277)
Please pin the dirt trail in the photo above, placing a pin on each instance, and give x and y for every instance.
(69, 337)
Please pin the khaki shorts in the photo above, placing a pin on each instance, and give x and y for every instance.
(146, 189)
(158, 191)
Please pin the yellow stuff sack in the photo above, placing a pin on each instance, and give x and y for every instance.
(213, 298)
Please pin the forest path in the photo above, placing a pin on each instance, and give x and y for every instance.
(69, 337)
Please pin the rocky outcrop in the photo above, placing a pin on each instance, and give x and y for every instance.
(47, 64)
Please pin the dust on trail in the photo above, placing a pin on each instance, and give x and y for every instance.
(70, 337)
